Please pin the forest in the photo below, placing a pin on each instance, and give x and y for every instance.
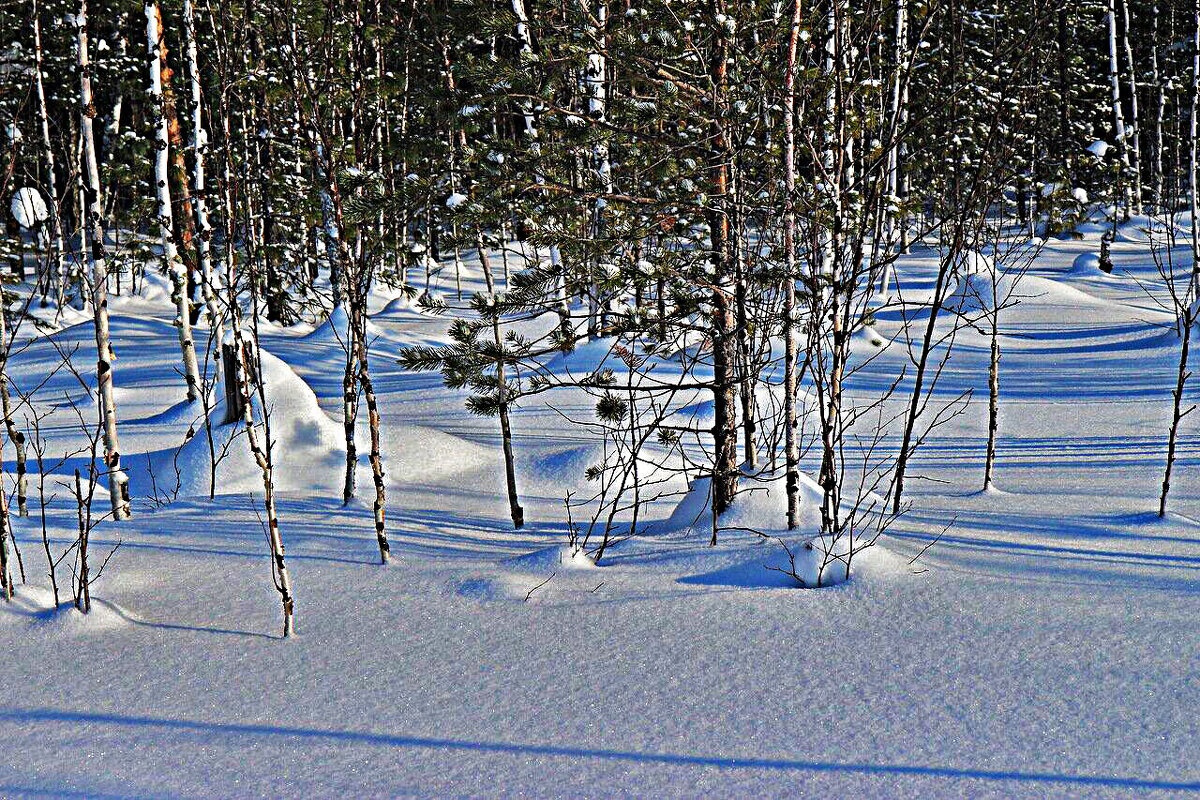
(679, 397)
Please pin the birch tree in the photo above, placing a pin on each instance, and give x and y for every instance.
(118, 481)
(171, 262)
(54, 221)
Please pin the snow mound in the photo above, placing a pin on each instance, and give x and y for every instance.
(1047, 290)
(559, 470)
(28, 208)
(155, 287)
(980, 293)
(397, 305)
(867, 337)
(764, 552)
(819, 562)
(976, 292)
(767, 398)
(52, 318)
(760, 505)
(1087, 264)
(182, 413)
(414, 453)
(36, 604)
(304, 438)
(1144, 229)
(551, 559)
(309, 449)
(336, 329)
(976, 263)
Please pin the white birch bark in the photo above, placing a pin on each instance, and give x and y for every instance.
(210, 280)
(1114, 74)
(118, 481)
(595, 83)
(113, 129)
(54, 221)
(260, 449)
(170, 256)
(791, 444)
(899, 112)
(1134, 128)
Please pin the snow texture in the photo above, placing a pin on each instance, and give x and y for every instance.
(28, 208)
(1033, 641)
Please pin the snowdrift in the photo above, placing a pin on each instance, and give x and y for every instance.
(307, 441)
(1143, 229)
(336, 329)
(978, 293)
(552, 474)
(760, 507)
(701, 413)
(1087, 265)
(305, 438)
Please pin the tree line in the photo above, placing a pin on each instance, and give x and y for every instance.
(717, 191)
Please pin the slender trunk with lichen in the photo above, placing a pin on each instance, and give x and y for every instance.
(356, 301)
(245, 373)
(10, 426)
(993, 396)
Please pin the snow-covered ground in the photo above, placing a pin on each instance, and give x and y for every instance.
(1047, 645)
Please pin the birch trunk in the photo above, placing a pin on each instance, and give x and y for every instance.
(1114, 74)
(170, 255)
(54, 221)
(791, 446)
(210, 285)
(10, 426)
(260, 449)
(1159, 115)
(899, 112)
(113, 129)
(595, 80)
(6, 578)
(531, 131)
(118, 481)
(993, 393)
(1134, 127)
(356, 299)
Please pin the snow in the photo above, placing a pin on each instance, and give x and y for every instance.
(1040, 644)
(1087, 265)
(336, 329)
(28, 208)
(976, 291)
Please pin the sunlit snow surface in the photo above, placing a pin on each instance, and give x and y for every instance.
(1045, 646)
